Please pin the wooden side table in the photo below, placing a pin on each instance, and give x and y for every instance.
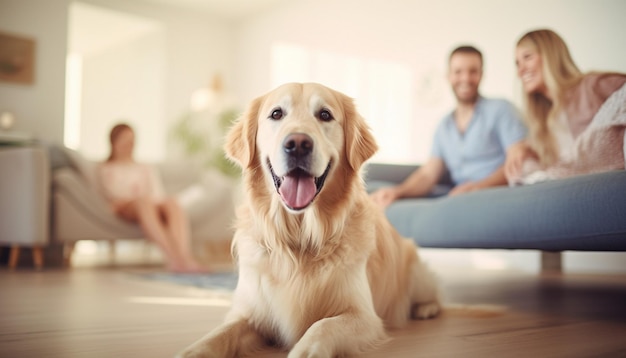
(24, 200)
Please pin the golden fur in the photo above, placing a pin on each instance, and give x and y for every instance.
(326, 279)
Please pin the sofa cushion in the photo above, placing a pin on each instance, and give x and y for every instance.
(579, 213)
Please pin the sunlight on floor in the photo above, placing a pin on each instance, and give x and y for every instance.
(495, 260)
(522, 260)
(182, 301)
(89, 253)
(120, 252)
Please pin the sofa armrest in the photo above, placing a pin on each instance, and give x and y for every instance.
(396, 173)
(392, 173)
(70, 181)
(81, 212)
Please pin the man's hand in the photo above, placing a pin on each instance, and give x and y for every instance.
(465, 188)
(384, 196)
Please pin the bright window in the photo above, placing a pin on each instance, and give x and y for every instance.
(73, 80)
(383, 92)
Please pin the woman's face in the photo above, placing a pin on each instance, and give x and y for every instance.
(124, 143)
(530, 69)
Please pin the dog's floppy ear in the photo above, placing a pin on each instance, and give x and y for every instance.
(240, 145)
(360, 143)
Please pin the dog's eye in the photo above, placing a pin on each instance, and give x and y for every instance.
(325, 115)
(277, 114)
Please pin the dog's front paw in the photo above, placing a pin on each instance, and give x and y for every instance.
(195, 353)
(426, 310)
(314, 350)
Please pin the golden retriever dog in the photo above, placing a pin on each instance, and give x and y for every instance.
(322, 273)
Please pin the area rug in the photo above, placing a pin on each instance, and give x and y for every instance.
(220, 280)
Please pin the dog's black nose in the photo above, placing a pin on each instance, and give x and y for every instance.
(298, 144)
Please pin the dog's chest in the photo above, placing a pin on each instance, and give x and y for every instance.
(291, 298)
(295, 306)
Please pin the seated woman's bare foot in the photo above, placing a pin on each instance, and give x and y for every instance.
(189, 267)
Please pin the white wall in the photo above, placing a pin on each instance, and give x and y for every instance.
(125, 83)
(421, 34)
(38, 108)
(197, 46)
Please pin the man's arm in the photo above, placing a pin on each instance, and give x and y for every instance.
(496, 178)
(422, 181)
(419, 183)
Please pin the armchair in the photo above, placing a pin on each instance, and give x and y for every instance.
(80, 211)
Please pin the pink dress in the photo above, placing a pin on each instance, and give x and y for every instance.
(589, 132)
(127, 181)
(585, 99)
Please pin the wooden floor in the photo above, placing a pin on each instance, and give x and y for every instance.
(112, 312)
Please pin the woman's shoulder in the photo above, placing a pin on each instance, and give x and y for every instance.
(587, 97)
(594, 88)
(116, 166)
(104, 166)
(603, 76)
(602, 83)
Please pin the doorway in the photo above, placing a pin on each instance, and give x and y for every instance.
(115, 72)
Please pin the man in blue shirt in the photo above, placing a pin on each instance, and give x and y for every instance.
(470, 143)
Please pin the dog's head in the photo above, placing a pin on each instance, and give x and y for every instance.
(300, 136)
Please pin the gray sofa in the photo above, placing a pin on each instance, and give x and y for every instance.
(585, 213)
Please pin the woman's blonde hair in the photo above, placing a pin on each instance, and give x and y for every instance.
(560, 73)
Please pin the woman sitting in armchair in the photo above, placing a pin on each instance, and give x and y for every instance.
(135, 193)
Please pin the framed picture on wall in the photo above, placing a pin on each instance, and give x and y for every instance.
(17, 59)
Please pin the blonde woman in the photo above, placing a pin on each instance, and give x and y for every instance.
(560, 103)
(135, 193)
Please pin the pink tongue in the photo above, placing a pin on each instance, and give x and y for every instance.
(297, 191)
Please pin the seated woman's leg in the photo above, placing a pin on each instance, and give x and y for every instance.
(177, 225)
(149, 218)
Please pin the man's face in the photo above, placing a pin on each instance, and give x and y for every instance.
(465, 73)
